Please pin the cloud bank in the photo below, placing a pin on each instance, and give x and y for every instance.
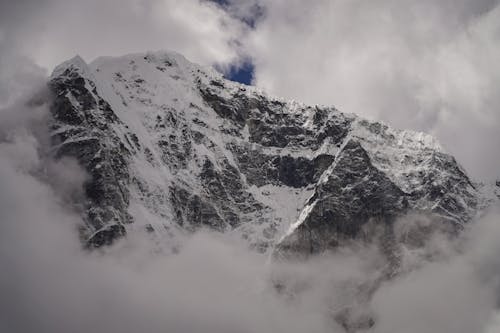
(434, 70)
(51, 31)
(214, 284)
(427, 65)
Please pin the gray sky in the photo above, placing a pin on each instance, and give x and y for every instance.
(426, 65)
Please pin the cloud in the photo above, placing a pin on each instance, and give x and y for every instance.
(51, 31)
(249, 12)
(426, 65)
(215, 283)
(458, 293)
(50, 284)
(439, 298)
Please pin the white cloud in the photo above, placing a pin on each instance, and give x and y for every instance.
(214, 284)
(458, 293)
(425, 65)
(428, 66)
(52, 31)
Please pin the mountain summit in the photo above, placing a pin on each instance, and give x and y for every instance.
(170, 147)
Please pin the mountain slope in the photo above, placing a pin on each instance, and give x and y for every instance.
(171, 146)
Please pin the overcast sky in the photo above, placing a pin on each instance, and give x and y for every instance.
(426, 65)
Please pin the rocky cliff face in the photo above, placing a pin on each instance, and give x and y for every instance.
(171, 147)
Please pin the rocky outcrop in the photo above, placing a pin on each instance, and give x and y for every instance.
(83, 128)
(352, 194)
(170, 146)
(355, 191)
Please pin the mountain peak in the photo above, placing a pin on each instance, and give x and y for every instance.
(75, 65)
(172, 146)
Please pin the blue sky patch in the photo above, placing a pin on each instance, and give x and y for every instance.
(242, 74)
(221, 2)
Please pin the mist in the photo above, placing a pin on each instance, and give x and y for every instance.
(50, 284)
(214, 283)
(429, 66)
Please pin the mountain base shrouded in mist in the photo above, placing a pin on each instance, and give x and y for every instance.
(208, 206)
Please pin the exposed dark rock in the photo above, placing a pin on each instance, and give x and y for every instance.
(191, 211)
(354, 194)
(81, 129)
(106, 235)
(225, 156)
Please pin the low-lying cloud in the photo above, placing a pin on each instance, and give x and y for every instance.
(458, 293)
(214, 284)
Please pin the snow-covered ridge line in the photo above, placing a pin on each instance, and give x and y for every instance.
(404, 137)
(76, 63)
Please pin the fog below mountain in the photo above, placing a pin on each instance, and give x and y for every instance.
(434, 76)
(213, 283)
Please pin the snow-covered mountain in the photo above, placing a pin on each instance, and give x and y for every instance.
(170, 146)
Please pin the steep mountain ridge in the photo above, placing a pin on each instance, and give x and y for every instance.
(171, 146)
